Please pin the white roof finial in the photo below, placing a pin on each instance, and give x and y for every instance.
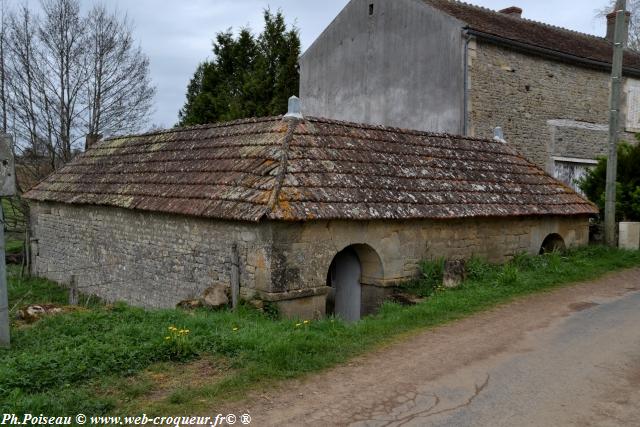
(295, 110)
(498, 135)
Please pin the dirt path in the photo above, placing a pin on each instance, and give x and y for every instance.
(567, 357)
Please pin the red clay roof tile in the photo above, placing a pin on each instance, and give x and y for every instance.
(534, 33)
(329, 170)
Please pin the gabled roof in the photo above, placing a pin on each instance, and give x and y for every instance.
(311, 169)
(580, 46)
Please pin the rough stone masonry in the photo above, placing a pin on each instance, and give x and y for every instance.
(151, 219)
(156, 260)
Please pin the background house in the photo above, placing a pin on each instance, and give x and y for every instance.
(313, 208)
(446, 66)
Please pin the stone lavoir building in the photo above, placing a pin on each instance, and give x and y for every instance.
(316, 208)
(448, 66)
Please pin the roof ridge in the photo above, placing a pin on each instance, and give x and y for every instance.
(533, 21)
(404, 131)
(216, 125)
(292, 124)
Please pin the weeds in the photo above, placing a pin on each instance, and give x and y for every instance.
(430, 281)
(177, 344)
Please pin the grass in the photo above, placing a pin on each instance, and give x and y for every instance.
(14, 219)
(117, 359)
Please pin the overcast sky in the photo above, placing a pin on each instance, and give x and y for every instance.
(177, 35)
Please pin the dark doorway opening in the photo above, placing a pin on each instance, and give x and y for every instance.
(552, 243)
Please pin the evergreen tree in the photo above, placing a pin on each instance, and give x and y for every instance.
(249, 76)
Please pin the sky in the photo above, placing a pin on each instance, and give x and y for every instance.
(177, 35)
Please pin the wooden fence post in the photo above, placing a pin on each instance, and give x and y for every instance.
(235, 276)
(73, 291)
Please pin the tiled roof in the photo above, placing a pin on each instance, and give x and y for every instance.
(534, 33)
(310, 169)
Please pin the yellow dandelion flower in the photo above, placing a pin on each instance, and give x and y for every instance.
(305, 322)
(235, 329)
(167, 338)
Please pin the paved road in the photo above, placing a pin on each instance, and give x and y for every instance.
(570, 357)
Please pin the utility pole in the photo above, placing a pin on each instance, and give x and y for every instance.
(619, 41)
(7, 188)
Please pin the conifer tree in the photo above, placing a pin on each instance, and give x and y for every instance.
(249, 76)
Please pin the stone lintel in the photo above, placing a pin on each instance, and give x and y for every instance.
(294, 294)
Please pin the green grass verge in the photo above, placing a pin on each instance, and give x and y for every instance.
(14, 219)
(60, 364)
(13, 245)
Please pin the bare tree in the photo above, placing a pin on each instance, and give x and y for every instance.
(64, 72)
(633, 6)
(25, 85)
(64, 76)
(119, 90)
(69, 76)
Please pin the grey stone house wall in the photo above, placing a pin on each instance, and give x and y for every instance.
(547, 108)
(402, 65)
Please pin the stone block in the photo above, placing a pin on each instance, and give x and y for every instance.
(306, 308)
(454, 273)
(629, 236)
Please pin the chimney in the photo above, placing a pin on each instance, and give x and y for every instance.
(611, 24)
(90, 140)
(512, 11)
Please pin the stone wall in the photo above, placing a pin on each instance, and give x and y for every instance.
(156, 260)
(146, 259)
(546, 107)
(390, 251)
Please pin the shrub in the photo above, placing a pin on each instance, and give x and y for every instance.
(479, 269)
(508, 275)
(627, 184)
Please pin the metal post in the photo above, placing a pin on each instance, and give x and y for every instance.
(5, 340)
(614, 118)
(235, 276)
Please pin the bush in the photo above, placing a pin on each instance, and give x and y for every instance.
(627, 184)
(509, 275)
(479, 269)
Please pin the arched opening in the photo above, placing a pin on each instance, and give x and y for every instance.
(350, 269)
(552, 243)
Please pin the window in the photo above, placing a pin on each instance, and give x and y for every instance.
(571, 171)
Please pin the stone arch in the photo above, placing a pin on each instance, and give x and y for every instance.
(352, 268)
(552, 243)
(371, 263)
